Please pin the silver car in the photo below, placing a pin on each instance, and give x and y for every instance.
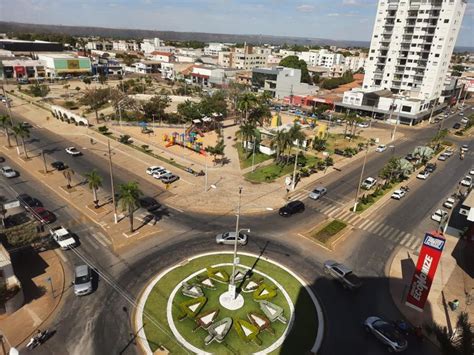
(317, 193)
(386, 333)
(229, 238)
(8, 172)
(82, 280)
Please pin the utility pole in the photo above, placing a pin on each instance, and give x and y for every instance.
(432, 111)
(205, 177)
(394, 132)
(360, 179)
(293, 184)
(112, 181)
(253, 153)
(44, 162)
(232, 289)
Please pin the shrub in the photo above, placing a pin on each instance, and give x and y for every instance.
(218, 274)
(125, 139)
(145, 147)
(71, 105)
(104, 130)
(252, 336)
(187, 312)
(264, 292)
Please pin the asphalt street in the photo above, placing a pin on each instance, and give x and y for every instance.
(99, 323)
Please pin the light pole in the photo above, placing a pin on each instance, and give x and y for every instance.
(205, 176)
(293, 183)
(112, 180)
(360, 179)
(394, 132)
(432, 111)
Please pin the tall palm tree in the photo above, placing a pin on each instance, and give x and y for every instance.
(95, 181)
(68, 174)
(246, 132)
(460, 344)
(5, 123)
(22, 132)
(279, 142)
(246, 102)
(296, 135)
(129, 193)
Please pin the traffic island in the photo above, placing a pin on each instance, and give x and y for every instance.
(191, 308)
(328, 235)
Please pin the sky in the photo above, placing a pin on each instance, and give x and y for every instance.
(330, 19)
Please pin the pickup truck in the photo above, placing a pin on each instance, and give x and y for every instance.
(342, 274)
(62, 236)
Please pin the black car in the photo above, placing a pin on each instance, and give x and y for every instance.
(27, 201)
(457, 125)
(149, 203)
(430, 167)
(291, 208)
(2, 159)
(59, 165)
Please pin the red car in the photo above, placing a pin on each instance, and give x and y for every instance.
(43, 215)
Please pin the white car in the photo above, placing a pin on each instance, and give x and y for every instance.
(153, 169)
(464, 148)
(369, 183)
(229, 238)
(442, 157)
(464, 120)
(398, 194)
(318, 193)
(423, 175)
(8, 172)
(449, 203)
(363, 125)
(448, 152)
(467, 181)
(381, 148)
(73, 151)
(160, 173)
(471, 172)
(62, 236)
(387, 333)
(439, 215)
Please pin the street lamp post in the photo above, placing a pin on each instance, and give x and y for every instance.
(360, 179)
(232, 288)
(293, 183)
(394, 132)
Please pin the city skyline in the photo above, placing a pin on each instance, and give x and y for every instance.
(312, 19)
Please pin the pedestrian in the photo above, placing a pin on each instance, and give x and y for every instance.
(92, 141)
(455, 304)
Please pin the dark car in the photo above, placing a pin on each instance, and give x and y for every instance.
(43, 215)
(430, 167)
(457, 125)
(29, 202)
(149, 203)
(59, 165)
(338, 151)
(2, 159)
(291, 208)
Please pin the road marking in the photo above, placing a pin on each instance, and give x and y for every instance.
(329, 209)
(99, 240)
(366, 222)
(378, 228)
(414, 244)
(104, 238)
(60, 254)
(353, 219)
(384, 231)
(369, 226)
(405, 238)
(398, 235)
(343, 214)
(176, 209)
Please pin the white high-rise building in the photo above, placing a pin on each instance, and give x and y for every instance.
(412, 44)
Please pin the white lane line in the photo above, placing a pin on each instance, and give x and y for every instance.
(99, 240)
(333, 212)
(369, 226)
(405, 238)
(367, 221)
(60, 254)
(385, 231)
(343, 214)
(328, 209)
(353, 219)
(397, 235)
(378, 228)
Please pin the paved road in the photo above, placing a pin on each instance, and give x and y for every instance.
(102, 326)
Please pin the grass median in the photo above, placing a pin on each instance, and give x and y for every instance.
(326, 234)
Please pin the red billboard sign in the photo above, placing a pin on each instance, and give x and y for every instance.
(428, 260)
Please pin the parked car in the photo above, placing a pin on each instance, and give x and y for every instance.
(449, 203)
(73, 151)
(82, 280)
(430, 167)
(8, 172)
(43, 215)
(169, 178)
(363, 125)
(464, 120)
(471, 172)
(229, 238)
(318, 193)
(423, 175)
(153, 169)
(386, 333)
(29, 202)
(381, 148)
(369, 183)
(448, 152)
(62, 236)
(439, 215)
(457, 125)
(291, 208)
(398, 194)
(160, 173)
(59, 165)
(442, 157)
(467, 181)
(343, 274)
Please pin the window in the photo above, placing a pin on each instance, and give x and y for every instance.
(406, 108)
(446, 21)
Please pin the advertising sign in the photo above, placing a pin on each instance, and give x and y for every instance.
(72, 64)
(428, 260)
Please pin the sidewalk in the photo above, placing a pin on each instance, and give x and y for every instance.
(40, 303)
(451, 282)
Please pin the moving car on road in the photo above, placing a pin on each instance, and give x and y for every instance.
(398, 194)
(73, 151)
(43, 215)
(8, 172)
(29, 202)
(439, 215)
(342, 274)
(62, 236)
(82, 280)
(229, 238)
(317, 193)
(291, 208)
(423, 175)
(381, 148)
(464, 148)
(369, 183)
(386, 333)
(59, 165)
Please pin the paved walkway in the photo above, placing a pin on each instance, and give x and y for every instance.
(34, 270)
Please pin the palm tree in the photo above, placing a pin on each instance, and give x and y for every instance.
(461, 344)
(246, 132)
(68, 174)
(296, 135)
(22, 132)
(279, 142)
(95, 181)
(5, 123)
(129, 194)
(246, 102)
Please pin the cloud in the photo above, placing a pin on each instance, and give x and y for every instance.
(305, 8)
(350, 2)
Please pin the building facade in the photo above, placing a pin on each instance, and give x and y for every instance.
(60, 64)
(151, 44)
(213, 49)
(245, 58)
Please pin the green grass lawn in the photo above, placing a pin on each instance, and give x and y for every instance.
(269, 173)
(245, 157)
(300, 339)
(327, 232)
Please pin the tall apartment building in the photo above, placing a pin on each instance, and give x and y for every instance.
(321, 58)
(409, 57)
(245, 58)
(412, 44)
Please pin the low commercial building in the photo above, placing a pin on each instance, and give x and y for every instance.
(125, 46)
(99, 45)
(321, 57)
(61, 64)
(144, 67)
(165, 57)
(22, 68)
(174, 71)
(16, 46)
(208, 76)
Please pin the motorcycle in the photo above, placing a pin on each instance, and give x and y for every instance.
(38, 339)
(461, 156)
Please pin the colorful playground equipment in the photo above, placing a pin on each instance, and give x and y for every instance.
(189, 140)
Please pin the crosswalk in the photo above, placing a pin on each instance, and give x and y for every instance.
(390, 233)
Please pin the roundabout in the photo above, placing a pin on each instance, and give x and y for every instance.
(191, 308)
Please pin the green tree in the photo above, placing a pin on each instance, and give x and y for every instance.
(189, 110)
(279, 142)
(156, 107)
(245, 103)
(129, 194)
(38, 90)
(94, 180)
(5, 123)
(217, 150)
(22, 132)
(460, 344)
(319, 144)
(215, 103)
(95, 99)
(392, 170)
(297, 135)
(87, 81)
(246, 133)
(293, 61)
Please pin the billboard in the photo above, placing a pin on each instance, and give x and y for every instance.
(428, 260)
